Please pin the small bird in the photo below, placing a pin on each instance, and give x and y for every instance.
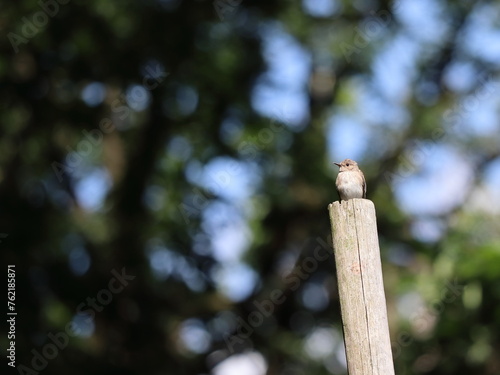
(350, 181)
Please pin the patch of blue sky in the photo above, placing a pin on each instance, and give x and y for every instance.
(424, 20)
(372, 109)
(195, 336)
(428, 229)
(371, 119)
(347, 138)
(434, 187)
(228, 231)
(235, 280)
(486, 197)
(492, 174)
(229, 178)
(229, 238)
(283, 87)
(93, 94)
(162, 262)
(395, 68)
(224, 222)
(137, 97)
(91, 189)
(247, 363)
(82, 325)
(314, 296)
(460, 76)
(321, 8)
(271, 101)
(475, 114)
(481, 37)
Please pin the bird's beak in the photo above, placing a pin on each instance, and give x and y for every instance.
(337, 164)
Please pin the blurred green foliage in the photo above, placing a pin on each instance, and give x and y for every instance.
(131, 138)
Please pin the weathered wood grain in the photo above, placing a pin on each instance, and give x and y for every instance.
(361, 287)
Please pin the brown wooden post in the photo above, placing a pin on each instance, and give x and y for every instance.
(361, 287)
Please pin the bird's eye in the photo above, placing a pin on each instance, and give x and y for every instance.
(347, 165)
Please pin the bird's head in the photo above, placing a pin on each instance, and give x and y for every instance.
(347, 165)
